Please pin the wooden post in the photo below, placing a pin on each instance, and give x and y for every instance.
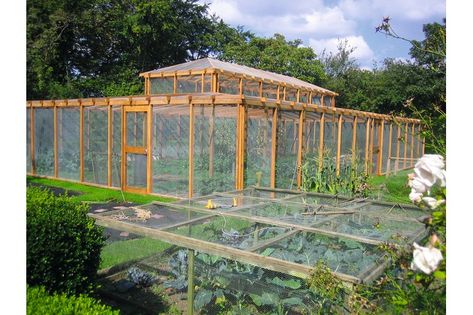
(412, 144)
(123, 140)
(353, 140)
(109, 142)
(321, 141)
(240, 158)
(371, 150)
(367, 145)
(380, 150)
(300, 148)
(149, 151)
(389, 148)
(274, 141)
(81, 141)
(202, 84)
(333, 101)
(190, 281)
(174, 88)
(240, 84)
(398, 148)
(191, 149)
(211, 142)
(406, 140)
(298, 95)
(339, 143)
(33, 162)
(55, 142)
(260, 88)
(284, 93)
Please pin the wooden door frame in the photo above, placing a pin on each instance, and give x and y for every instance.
(142, 150)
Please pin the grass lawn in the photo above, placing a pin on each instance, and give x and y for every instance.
(121, 251)
(97, 194)
(392, 188)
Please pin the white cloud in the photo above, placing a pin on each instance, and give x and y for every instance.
(413, 10)
(362, 50)
(314, 20)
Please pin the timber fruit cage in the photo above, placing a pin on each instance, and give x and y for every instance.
(206, 126)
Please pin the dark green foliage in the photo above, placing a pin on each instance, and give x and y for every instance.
(63, 243)
(352, 180)
(39, 302)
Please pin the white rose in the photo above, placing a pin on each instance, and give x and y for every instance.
(418, 185)
(415, 196)
(425, 259)
(432, 203)
(429, 170)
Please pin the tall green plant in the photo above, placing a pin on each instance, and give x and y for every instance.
(351, 180)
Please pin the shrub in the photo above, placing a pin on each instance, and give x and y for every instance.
(38, 302)
(63, 243)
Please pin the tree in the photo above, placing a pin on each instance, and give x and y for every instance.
(275, 54)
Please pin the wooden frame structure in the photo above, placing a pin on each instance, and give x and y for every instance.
(226, 109)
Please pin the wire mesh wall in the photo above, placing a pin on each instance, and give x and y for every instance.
(28, 141)
(258, 147)
(287, 147)
(171, 150)
(44, 141)
(68, 134)
(236, 142)
(214, 152)
(95, 144)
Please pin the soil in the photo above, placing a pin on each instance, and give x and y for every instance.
(138, 300)
(56, 190)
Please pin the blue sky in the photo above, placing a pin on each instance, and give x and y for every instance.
(322, 23)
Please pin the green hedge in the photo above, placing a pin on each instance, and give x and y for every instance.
(63, 243)
(39, 302)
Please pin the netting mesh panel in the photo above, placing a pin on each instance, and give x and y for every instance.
(330, 136)
(311, 136)
(95, 144)
(316, 99)
(44, 141)
(270, 90)
(228, 231)
(28, 140)
(68, 143)
(287, 146)
(250, 88)
(291, 95)
(170, 147)
(327, 101)
(360, 139)
(347, 139)
(258, 147)
(162, 85)
(344, 255)
(189, 84)
(116, 145)
(225, 286)
(386, 141)
(136, 124)
(228, 84)
(214, 148)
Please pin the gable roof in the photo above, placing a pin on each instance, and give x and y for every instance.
(210, 63)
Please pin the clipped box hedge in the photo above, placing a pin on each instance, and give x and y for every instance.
(63, 243)
(39, 302)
